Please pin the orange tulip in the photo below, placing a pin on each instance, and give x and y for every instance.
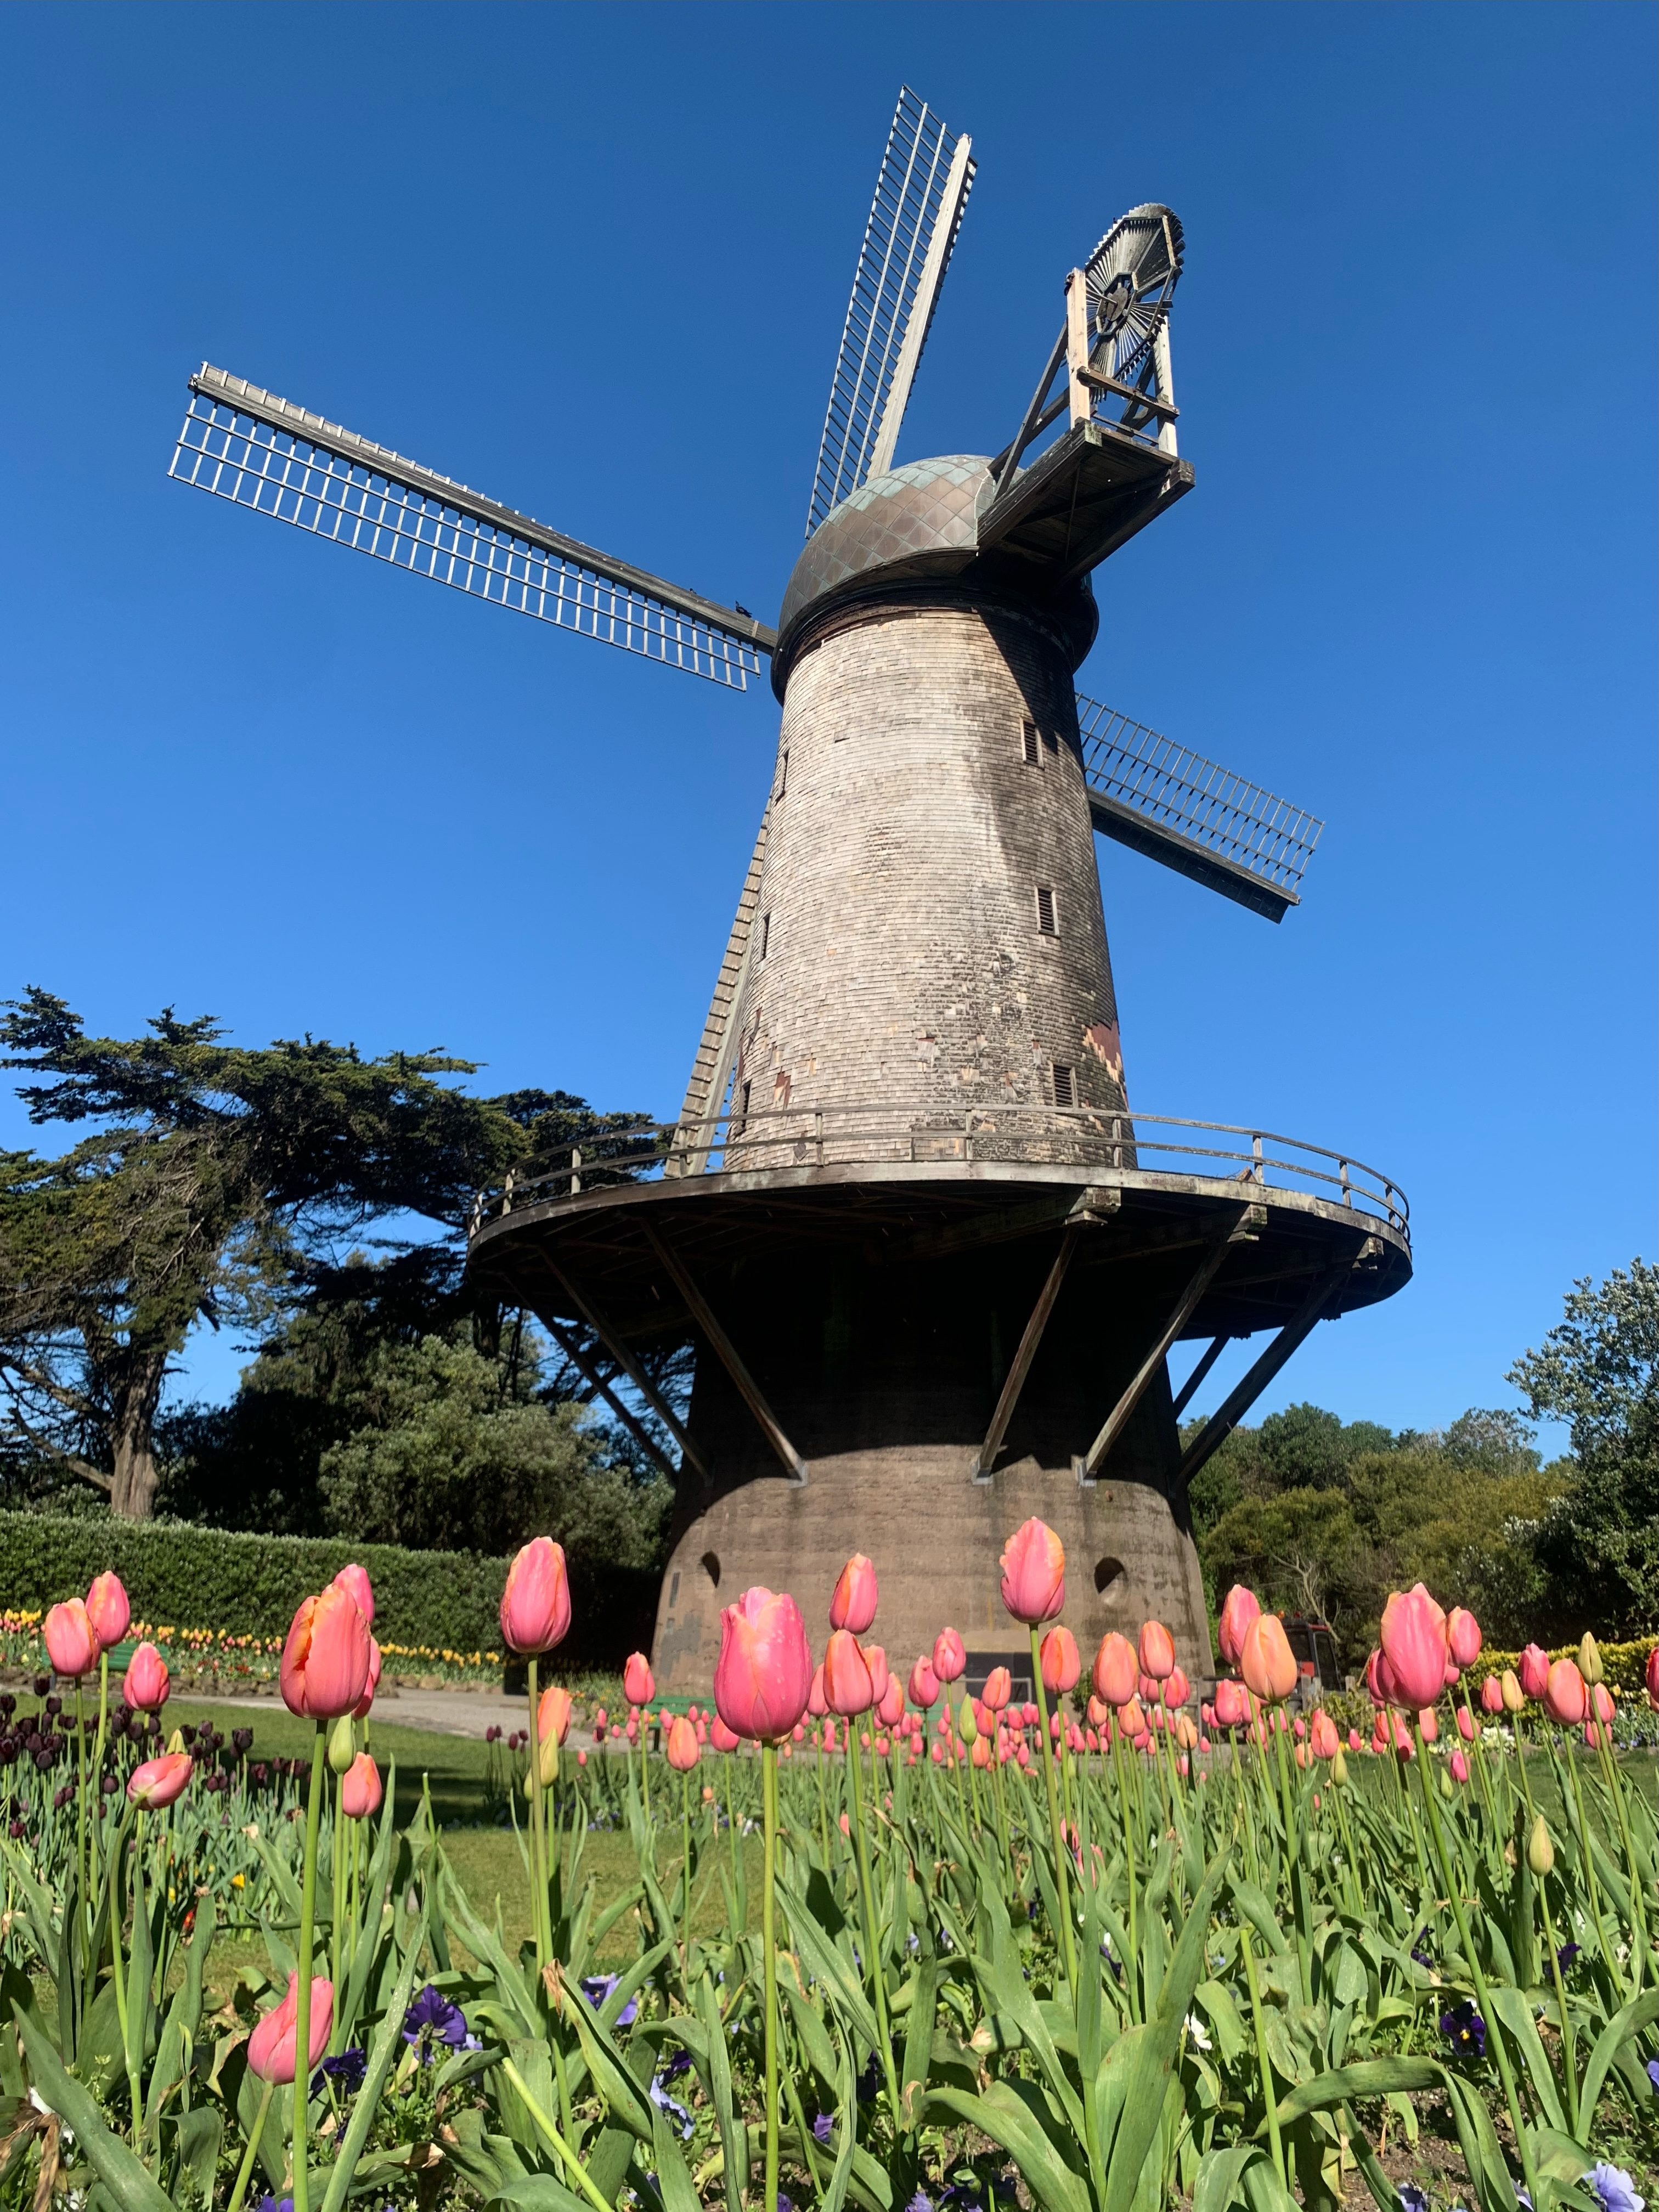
(853, 1603)
(1100, 1713)
(1565, 1698)
(325, 1666)
(107, 1610)
(1176, 1689)
(360, 1792)
(638, 1686)
(1515, 1698)
(1239, 1610)
(1429, 1724)
(360, 1711)
(1062, 1663)
(1413, 1637)
(1463, 1637)
(1115, 1671)
(764, 1672)
(71, 1640)
(890, 1706)
(1133, 1722)
(272, 2049)
(353, 1580)
(876, 1660)
(553, 1714)
(1267, 1663)
(158, 1782)
(1156, 1651)
(1034, 1573)
(1322, 1735)
(949, 1656)
(998, 1689)
(684, 1749)
(847, 1689)
(535, 1603)
(146, 1684)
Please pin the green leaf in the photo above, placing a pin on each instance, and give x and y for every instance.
(127, 2181)
(365, 2107)
(1366, 2077)
(1220, 2174)
(538, 2192)
(717, 2079)
(673, 2179)
(823, 1960)
(200, 2136)
(1482, 2152)
(1627, 2021)
(1513, 2009)
(1001, 2115)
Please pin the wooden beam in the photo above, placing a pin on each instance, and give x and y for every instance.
(1222, 1423)
(1076, 345)
(630, 1367)
(584, 1365)
(1118, 1419)
(1015, 1381)
(726, 1352)
(1194, 1381)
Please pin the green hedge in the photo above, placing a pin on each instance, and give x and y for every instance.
(193, 1578)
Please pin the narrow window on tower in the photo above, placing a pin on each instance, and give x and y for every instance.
(744, 1090)
(1028, 745)
(783, 774)
(765, 934)
(1065, 1085)
(1048, 926)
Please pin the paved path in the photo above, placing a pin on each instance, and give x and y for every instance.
(445, 1712)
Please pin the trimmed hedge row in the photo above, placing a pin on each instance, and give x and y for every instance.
(193, 1577)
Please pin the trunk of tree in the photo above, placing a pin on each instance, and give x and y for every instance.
(132, 1434)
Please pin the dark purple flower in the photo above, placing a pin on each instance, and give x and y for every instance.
(1567, 1954)
(432, 2020)
(1465, 2030)
(346, 2072)
(822, 2127)
(596, 1988)
(1412, 2199)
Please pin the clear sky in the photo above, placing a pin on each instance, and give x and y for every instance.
(594, 262)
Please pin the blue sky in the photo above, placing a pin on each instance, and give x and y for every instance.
(594, 261)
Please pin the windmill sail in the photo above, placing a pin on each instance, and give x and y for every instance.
(927, 175)
(247, 446)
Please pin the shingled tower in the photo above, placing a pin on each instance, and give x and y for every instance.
(931, 1265)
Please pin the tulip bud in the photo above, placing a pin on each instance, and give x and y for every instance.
(340, 1748)
(1589, 1659)
(967, 1726)
(1515, 1697)
(1338, 1765)
(1540, 1852)
(1447, 1787)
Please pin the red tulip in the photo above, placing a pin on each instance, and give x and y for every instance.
(325, 1666)
(360, 1711)
(1156, 1651)
(1565, 1698)
(890, 1706)
(683, 1751)
(535, 1603)
(949, 1659)
(353, 1580)
(1239, 1610)
(1114, 1670)
(876, 1660)
(1652, 1678)
(71, 1640)
(146, 1684)
(360, 1792)
(1176, 1689)
(553, 1714)
(1062, 1664)
(722, 1738)
(853, 1603)
(1491, 1694)
(924, 1686)
(1463, 1637)
(1414, 1645)
(272, 2047)
(1033, 1574)
(1459, 1765)
(999, 1688)
(107, 1610)
(764, 1673)
(639, 1687)
(1534, 1672)
(1323, 1736)
(1267, 1663)
(158, 1782)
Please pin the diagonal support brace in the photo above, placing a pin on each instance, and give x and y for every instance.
(630, 1367)
(584, 1366)
(726, 1352)
(1194, 1381)
(1234, 1226)
(1097, 1204)
(1222, 1423)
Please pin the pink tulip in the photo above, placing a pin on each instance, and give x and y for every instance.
(1266, 1663)
(1033, 1574)
(1601, 1701)
(360, 1711)
(1232, 1705)
(876, 1660)
(1429, 1724)
(999, 1688)
(360, 1792)
(1353, 1740)
(71, 1641)
(1376, 1678)
(1062, 1663)
(107, 1610)
(353, 1580)
(1459, 1765)
(853, 1604)
(1156, 1651)
(1323, 1736)
(1565, 1698)
(158, 1782)
(1133, 1722)
(949, 1659)
(1534, 1672)
(272, 2049)
(146, 1684)
(1651, 1678)
(1492, 1695)
(1176, 1689)
(553, 1714)
(1414, 1645)
(1116, 1669)
(722, 1738)
(924, 1686)
(1593, 1735)
(638, 1685)
(890, 1706)
(764, 1673)
(1238, 1610)
(1299, 1728)
(324, 1665)
(535, 1603)
(817, 1703)
(684, 1750)
(1463, 1637)
(1466, 1723)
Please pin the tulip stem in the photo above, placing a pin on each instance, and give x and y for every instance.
(537, 1832)
(1609, 1951)
(246, 2165)
(578, 2171)
(302, 2000)
(1063, 1885)
(1568, 2052)
(872, 1932)
(685, 1849)
(120, 1976)
(769, 1956)
(1263, 2063)
(1131, 1964)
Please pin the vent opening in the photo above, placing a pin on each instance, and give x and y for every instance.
(783, 774)
(1065, 1085)
(1048, 926)
(1108, 1573)
(1028, 745)
(765, 934)
(710, 1563)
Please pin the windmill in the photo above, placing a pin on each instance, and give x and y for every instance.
(931, 1265)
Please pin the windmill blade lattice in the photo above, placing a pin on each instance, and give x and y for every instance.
(911, 191)
(246, 446)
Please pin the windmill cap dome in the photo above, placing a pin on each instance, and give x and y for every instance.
(917, 524)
